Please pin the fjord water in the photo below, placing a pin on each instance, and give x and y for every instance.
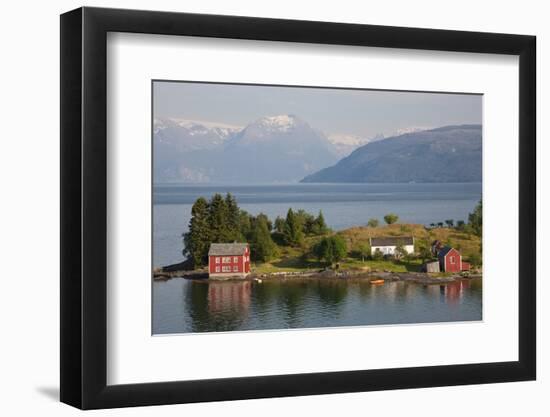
(343, 205)
(184, 306)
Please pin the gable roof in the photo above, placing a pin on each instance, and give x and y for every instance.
(444, 251)
(392, 241)
(227, 249)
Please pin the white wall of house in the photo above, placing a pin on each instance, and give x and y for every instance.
(390, 250)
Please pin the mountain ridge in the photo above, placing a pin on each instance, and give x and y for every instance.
(445, 154)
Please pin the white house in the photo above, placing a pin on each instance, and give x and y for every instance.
(387, 245)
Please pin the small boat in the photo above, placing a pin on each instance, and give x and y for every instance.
(377, 281)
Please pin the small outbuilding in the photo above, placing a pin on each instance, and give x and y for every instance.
(387, 245)
(450, 260)
(431, 267)
(228, 260)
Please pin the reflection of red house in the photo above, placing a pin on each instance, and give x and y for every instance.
(228, 260)
(450, 260)
(229, 296)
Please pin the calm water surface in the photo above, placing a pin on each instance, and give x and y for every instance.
(183, 306)
(343, 205)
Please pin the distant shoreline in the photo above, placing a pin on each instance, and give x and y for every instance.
(414, 277)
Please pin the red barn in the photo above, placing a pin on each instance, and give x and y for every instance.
(450, 260)
(228, 260)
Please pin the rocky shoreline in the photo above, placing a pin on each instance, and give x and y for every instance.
(417, 277)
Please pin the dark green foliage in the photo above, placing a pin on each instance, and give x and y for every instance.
(377, 255)
(319, 225)
(391, 218)
(218, 220)
(460, 224)
(306, 221)
(363, 249)
(262, 247)
(373, 222)
(293, 229)
(475, 219)
(450, 223)
(423, 249)
(233, 218)
(222, 221)
(279, 224)
(197, 240)
(400, 251)
(330, 249)
(245, 225)
(475, 259)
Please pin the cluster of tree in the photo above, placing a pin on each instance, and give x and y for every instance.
(330, 249)
(474, 225)
(299, 224)
(220, 220)
(389, 218)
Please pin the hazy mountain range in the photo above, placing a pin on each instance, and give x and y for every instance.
(446, 154)
(285, 148)
(271, 149)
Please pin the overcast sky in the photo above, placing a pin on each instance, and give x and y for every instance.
(334, 111)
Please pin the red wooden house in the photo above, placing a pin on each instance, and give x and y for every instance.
(228, 260)
(450, 260)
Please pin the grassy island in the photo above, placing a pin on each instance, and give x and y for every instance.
(302, 241)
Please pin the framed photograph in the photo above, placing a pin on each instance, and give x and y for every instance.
(257, 208)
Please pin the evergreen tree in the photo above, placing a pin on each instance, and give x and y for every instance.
(293, 229)
(233, 231)
(475, 219)
(320, 227)
(197, 239)
(218, 220)
(262, 247)
(306, 221)
(331, 249)
(279, 224)
(245, 225)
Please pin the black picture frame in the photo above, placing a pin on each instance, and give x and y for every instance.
(84, 207)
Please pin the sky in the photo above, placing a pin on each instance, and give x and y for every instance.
(364, 113)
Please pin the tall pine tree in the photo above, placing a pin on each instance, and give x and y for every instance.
(320, 227)
(262, 246)
(197, 239)
(218, 220)
(233, 219)
(293, 229)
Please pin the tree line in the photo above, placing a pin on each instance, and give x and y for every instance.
(220, 220)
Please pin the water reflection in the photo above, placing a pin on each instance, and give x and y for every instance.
(245, 305)
(218, 306)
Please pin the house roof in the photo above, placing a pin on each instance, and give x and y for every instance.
(227, 249)
(444, 251)
(392, 241)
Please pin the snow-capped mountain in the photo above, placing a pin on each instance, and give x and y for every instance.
(345, 143)
(276, 149)
(191, 135)
(280, 148)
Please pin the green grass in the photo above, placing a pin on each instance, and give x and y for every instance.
(297, 264)
(290, 259)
